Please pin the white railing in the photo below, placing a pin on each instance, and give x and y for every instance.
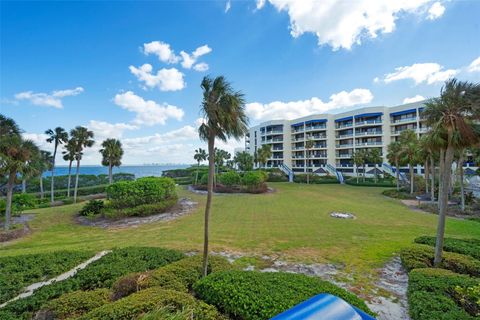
(405, 120)
(360, 123)
(368, 133)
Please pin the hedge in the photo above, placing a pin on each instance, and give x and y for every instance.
(251, 295)
(230, 178)
(469, 247)
(148, 190)
(142, 210)
(315, 179)
(371, 183)
(20, 271)
(421, 256)
(430, 294)
(99, 274)
(393, 193)
(148, 300)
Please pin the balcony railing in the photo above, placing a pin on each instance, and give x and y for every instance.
(298, 130)
(318, 136)
(367, 133)
(316, 128)
(275, 140)
(344, 125)
(344, 136)
(360, 123)
(347, 145)
(344, 155)
(370, 143)
(275, 132)
(409, 119)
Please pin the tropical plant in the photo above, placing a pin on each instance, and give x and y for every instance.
(410, 152)
(112, 153)
(393, 156)
(220, 157)
(244, 161)
(200, 156)
(43, 163)
(57, 136)
(83, 138)
(263, 154)
(359, 159)
(308, 146)
(69, 155)
(451, 116)
(375, 156)
(223, 110)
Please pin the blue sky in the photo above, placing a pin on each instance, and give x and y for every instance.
(117, 67)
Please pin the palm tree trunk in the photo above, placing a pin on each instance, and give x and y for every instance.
(356, 171)
(410, 168)
(76, 182)
(69, 178)
(425, 174)
(211, 170)
(196, 174)
(364, 172)
(441, 173)
(397, 174)
(432, 165)
(375, 171)
(52, 183)
(41, 186)
(8, 207)
(110, 178)
(308, 171)
(462, 187)
(24, 185)
(443, 204)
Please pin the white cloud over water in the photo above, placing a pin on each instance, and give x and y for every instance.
(53, 99)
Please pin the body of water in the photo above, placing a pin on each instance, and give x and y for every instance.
(138, 171)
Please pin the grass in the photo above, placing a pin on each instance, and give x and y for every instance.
(293, 222)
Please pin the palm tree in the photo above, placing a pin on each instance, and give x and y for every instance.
(375, 157)
(112, 153)
(244, 161)
(410, 152)
(452, 116)
(69, 155)
(57, 136)
(43, 163)
(223, 110)
(200, 156)
(358, 159)
(83, 138)
(8, 127)
(393, 156)
(264, 153)
(16, 155)
(308, 147)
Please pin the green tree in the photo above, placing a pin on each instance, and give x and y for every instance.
(69, 154)
(112, 153)
(410, 152)
(375, 156)
(452, 117)
(359, 158)
(308, 147)
(83, 138)
(263, 154)
(43, 163)
(393, 156)
(200, 156)
(56, 136)
(244, 161)
(223, 110)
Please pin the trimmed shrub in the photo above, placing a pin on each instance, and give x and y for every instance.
(393, 193)
(92, 207)
(77, 303)
(251, 295)
(430, 294)
(421, 256)
(204, 179)
(384, 183)
(151, 299)
(127, 285)
(314, 179)
(253, 178)
(470, 247)
(230, 178)
(148, 190)
(23, 201)
(142, 210)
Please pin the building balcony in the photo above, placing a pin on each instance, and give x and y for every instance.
(368, 133)
(344, 125)
(343, 136)
(317, 137)
(274, 140)
(344, 155)
(346, 145)
(366, 144)
(323, 127)
(298, 130)
(298, 148)
(409, 119)
(274, 132)
(367, 122)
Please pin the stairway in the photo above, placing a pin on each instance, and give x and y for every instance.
(287, 171)
(333, 171)
(392, 171)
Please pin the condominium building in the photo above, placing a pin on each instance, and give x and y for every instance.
(334, 137)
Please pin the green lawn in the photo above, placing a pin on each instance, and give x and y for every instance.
(293, 222)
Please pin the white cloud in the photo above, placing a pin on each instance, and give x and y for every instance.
(474, 66)
(40, 140)
(341, 24)
(202, 66)
(148, 111)
(295, 109)
(53, 99)
(228, 5)
(435, 11)
(188, 60)
(260, 4)
(161, 50)
(414, 99)
(104, 130)
(165, 79)
(421, 72)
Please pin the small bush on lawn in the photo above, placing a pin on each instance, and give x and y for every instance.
(128, 194)
(470, 247)
(142, 210)
(75, 304)
(421, 256)
(230, 178)
(167, 313)
(469, 299)
(393, 193)
(315, 179)
(430, 294)
(253, 178)
(92, 207)
(151, 299)
(253, 295)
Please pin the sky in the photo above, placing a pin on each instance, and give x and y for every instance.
(132, 70)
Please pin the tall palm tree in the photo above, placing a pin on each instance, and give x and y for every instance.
(16, 155)
(359, 160)
(375, 157)
(452, 115)
(42, 164)
(200, 156)
(8, 127)
(244, 161)
(57, 136)
(69, 155)
(308, 147)
(264, 153)
(223, 110)
(393, 156)
(410, 152)
(112, 153)
(83, 138)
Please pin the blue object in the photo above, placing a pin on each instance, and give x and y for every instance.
(366, 115)
(323, 307)
(344, 119)
(399, 113)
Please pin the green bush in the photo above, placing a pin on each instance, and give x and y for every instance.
(92, 207)
(75, 304)
(142, 210)
(99, 274)
(20, 271)
(470, 247)
(421, 256)
(430, 294)
(166, 313)
(393, 193)
(230, 178)
(151, 299)
(148, 190)
(469, 299)
(204, 179)
(250, 295)
(315, 179)
(23, 201)
(384, 183)
(253, 178)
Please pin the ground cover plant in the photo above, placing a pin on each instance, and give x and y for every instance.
(370, 182)
(234, 182)
(470, 247)
(21, 271)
